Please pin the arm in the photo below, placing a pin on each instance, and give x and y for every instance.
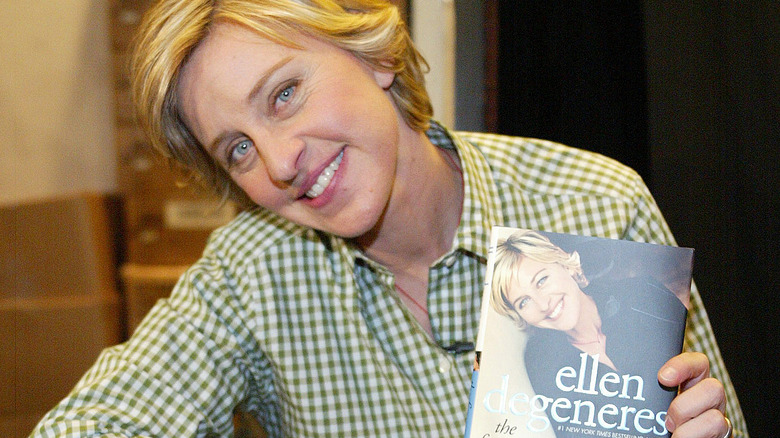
(179, 375)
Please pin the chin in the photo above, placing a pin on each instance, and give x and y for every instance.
(348, 229)
(352, 221)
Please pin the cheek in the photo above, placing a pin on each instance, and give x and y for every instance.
(573, 290)
(575, 302)
(259, 188)
(351, 97)
(531, 314)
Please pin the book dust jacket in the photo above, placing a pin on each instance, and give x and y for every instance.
(572, 334)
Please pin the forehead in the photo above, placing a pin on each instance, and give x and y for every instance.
(527, 264)
(528, 268)
(221, 68)
(229, 48)
(228, 64)
(233, 54)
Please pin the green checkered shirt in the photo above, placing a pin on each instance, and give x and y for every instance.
(304, 332)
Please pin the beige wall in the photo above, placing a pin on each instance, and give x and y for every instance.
(433, 30)
(56, 131)
(56, 126)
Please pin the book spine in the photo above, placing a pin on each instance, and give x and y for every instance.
(472, 397)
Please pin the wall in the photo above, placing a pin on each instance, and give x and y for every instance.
(56, 132)
(470, 75)
(714, 88)
(433, 30)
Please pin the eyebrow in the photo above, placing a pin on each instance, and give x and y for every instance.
(255, 92)
(214, 145)
(251, 97)
(534, 278)
(514, 303)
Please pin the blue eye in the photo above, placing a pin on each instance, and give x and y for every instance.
(286, 94)
(522, 302)
(541, 281)
(240, 150)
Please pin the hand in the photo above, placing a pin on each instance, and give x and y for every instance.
(698, 409)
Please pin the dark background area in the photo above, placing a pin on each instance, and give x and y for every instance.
(687, 94)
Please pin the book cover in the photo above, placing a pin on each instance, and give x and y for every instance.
(572, 334)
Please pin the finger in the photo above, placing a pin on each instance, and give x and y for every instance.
(704, 397)
(711, 424)
(684, 370)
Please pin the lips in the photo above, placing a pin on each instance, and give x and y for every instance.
(556, 311)
(325, 177)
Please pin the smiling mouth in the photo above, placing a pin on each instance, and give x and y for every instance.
(324, 179)
(556, 311)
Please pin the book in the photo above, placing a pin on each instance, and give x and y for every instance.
(572, 333)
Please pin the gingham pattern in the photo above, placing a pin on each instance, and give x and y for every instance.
(300, 329)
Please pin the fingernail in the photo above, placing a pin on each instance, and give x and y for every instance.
(670, 424)
(669, 374)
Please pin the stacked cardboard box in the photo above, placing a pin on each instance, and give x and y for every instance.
(59, 305)
(144, 286)
(167, 218)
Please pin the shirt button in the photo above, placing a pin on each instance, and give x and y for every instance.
(444, 365)
(449, 261)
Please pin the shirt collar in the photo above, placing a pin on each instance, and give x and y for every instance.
(480, 196)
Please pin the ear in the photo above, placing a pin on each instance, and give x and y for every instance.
(384, 78)
(577, 274)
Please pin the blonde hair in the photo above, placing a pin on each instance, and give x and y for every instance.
(511, 252)
(371, 30)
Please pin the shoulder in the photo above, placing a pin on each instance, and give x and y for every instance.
(250, 267)
(259, 240)
(641, 295)
(537, 165)
(553, 187)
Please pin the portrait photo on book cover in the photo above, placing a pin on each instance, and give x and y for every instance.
(575, 333)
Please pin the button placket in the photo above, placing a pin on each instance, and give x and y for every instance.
(445, 364)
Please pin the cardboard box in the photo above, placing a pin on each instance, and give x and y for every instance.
(59, 305)
(47, 345)
(170, 230)
(59, 247)
(143, 285)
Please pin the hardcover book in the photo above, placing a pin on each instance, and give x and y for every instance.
(572, 334)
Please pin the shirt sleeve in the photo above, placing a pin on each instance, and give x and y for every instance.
(181, 374)
(648, 225)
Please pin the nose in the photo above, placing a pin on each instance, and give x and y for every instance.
(542, 301)
(546, 302)
(282, 155)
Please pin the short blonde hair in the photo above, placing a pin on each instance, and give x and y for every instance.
(510, 253)
(371, 30)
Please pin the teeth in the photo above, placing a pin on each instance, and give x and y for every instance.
(324, 179)
(556, 310)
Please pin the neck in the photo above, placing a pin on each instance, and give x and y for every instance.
(588, 329)
(422, 216)
(587, 335)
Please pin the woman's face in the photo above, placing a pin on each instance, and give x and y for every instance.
(546, 295)
(309, 133)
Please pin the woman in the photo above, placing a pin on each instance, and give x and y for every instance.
(632, 325)
(335, 306)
